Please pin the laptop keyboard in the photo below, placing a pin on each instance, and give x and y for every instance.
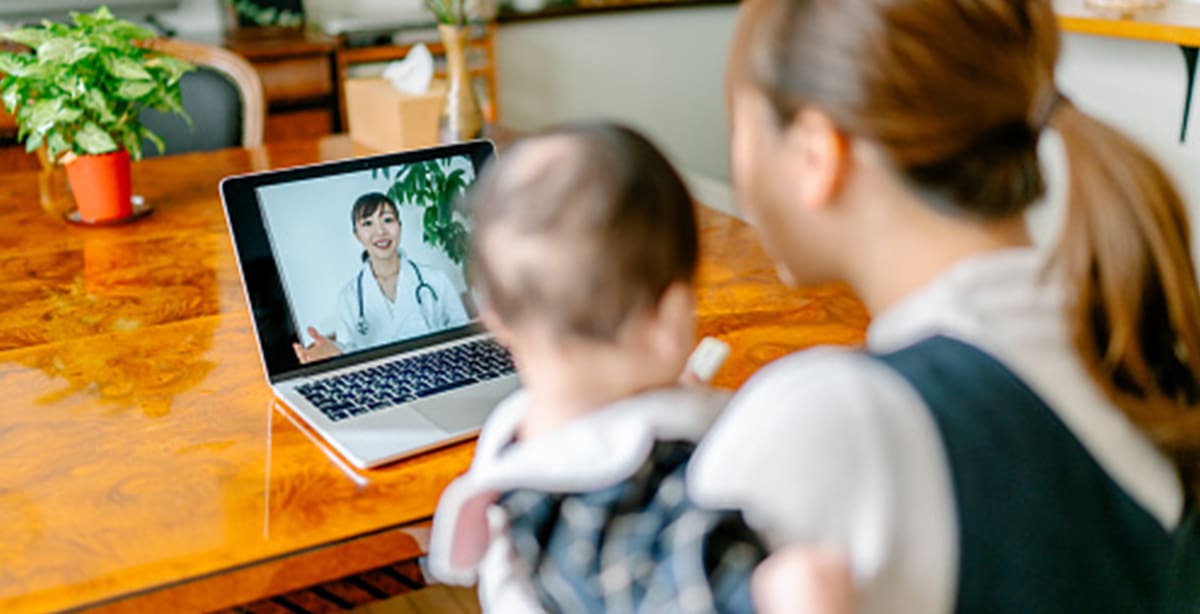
(407, 379)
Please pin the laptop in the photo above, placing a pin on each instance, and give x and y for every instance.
(399, 382)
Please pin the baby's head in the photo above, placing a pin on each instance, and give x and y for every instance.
(586, 234)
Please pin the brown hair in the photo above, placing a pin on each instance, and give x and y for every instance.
(609, 207)
(955, 94)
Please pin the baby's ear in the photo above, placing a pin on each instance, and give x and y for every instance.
(677, 303)
(675, 320)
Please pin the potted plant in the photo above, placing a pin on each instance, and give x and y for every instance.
(264, 13)
(78, 93)
(438, 188)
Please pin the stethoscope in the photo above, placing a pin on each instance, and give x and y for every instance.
(363, 326)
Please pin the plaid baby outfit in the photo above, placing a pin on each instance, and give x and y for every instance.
(595, 517)
(639, 546)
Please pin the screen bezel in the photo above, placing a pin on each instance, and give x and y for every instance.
(274, 326)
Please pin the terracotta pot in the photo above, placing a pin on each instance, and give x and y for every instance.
(100, 185)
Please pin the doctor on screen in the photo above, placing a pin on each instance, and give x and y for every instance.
(391, 297)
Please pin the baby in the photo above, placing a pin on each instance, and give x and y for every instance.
(585, 247)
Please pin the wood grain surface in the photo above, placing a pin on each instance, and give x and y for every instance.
(143, 461)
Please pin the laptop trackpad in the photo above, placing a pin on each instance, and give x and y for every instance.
(467, 408)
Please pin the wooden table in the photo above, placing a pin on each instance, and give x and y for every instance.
(143, 465)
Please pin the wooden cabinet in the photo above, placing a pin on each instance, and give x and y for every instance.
(299, 71)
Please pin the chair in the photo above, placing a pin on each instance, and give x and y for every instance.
(224, 97)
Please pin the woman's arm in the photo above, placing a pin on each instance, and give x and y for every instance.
(828, 448)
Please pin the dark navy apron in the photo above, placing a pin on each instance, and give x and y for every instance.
(1042, 528)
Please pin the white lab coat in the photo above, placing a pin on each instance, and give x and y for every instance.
(389, 321)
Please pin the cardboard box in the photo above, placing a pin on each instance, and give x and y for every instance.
(384, 119)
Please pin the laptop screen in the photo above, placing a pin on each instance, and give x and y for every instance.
(347, 261)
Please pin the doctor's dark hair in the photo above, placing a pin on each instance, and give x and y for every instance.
(581, 227)
(366, 206)
(955, 95)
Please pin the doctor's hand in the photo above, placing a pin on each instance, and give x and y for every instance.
(322, 347)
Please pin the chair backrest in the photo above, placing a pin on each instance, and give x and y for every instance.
(224, 98)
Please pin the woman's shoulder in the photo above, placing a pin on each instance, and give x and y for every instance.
(835, 376)
(349, 290)
(825, 410)
(823, 401)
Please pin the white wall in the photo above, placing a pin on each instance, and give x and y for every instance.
(196, 18)
(661, 71)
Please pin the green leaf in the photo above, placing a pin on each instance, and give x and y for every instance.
(135, 90)
(130, 32)
(33, 142)
(132, 141)
(11, 63)
(11, 97)
(30, 37)
(56, 50)
(81, 52)
(34, 72)
(455, 182)
(95, 102)
(395, 194)
(67, 115)
(443, 207)
(56, 143)
(44, 114)
(153, 138)
(174, 67)
(429, 223)
(99, 17)
(94, 140)
(126, 68)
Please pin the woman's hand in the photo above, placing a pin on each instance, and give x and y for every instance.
(322, 347)
(804, 579)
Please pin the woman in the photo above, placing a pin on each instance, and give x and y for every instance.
(391, 298)
(1024, 433)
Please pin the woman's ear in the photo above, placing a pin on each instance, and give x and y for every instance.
(818, 155)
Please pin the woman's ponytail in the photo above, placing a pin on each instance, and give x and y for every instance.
(1135, 307)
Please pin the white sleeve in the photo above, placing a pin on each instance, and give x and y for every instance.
(502, 588)
(829, 447)
(347, 317)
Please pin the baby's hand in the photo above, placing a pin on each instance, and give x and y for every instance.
(804, 580)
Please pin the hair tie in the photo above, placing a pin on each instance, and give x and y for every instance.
(1044, 108)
